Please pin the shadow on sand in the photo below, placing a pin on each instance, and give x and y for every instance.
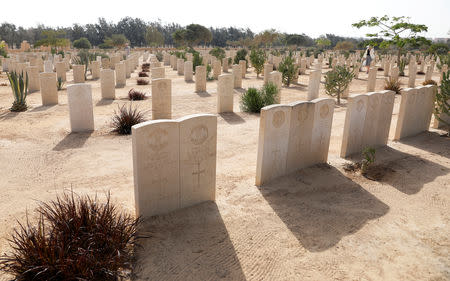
(72, 140)
(189, 244)
(232, 118)
(320, 205)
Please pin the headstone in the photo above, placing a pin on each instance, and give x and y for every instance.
(428, 73)
(161, 98)
(48, 66)
(108, 83)
(61, 71)
(371, 80)
(268, 68)
(105, 63)
(243, 65)
(95, 69)
(49, 91)
(237, 75)
(225, 93)
(78, 73)
(225, 64)
(174, 163)
(412, 76)
(292, 137)
(216, 69)
(80, 107)
(314, 84)
(188, 71)
(200, 78)
(33, 78)
(180, 66)
(276, 78)
(158, 72)
(121, 79)
(416, 108)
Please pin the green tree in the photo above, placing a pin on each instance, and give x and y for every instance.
(53, 38)
(118, 41)
(192, 35)
(337, 81)
(344, 46)
(438, 49)
(82, 43)
(154, 37)
(257, 58)
(218, 52)
(396, 31)
(288, 69)
(323, 42)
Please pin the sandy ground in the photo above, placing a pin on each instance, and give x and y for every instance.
(320, 223)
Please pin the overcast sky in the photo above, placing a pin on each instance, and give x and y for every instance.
(314, 17)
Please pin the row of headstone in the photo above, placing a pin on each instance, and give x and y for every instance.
(367, 121)
(416, 109)
(293, 136)
(174, 163)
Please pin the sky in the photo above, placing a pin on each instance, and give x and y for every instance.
(313, 17)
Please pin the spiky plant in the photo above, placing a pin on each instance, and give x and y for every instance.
(253, 99)
(136, 95)
(74, 238)
(19, 86)
(368, 159)
(142, 81)
(401, 66)
(60, 84)
(429, 82)
(83, 58)
(125, 118)
(393, 85)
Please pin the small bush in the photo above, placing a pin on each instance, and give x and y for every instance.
(59, 84)
(442, 105)
(82, 43)
(136, 95)
(218, 52)
(75, 238)
(337, 81)
(146, 67)
(209, 77)
(288, 69)
(159, 56)
(143, 74)
(393, 85)
(240, 55)
(429, 82)
(253, 99)
(125, 118)
(401, 66)
(368, 159)
(142, 81)
(257, 58)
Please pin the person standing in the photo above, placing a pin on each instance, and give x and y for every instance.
(369, 55)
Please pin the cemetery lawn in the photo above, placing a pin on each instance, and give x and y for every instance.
(320, 223)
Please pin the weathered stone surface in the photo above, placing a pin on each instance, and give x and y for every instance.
(161, 98)
(79, 97)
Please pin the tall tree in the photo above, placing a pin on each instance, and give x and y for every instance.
(396, 31)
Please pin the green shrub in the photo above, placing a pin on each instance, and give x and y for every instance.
(3, 52)
(241, 55)
(368, 159)
(218, 52)
(337, 81)
(159, 56)
(196, 60)
(443, 59)
(209, 77)
(19, 86)
(257, 58)
(82, 43)
(442, 106)
(74, 238)
(401, 66)
(288, 69)
(253, 99)
(59, 84)
(83, 58)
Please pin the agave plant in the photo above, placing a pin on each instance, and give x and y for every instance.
(19, 86)
(83, 58)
